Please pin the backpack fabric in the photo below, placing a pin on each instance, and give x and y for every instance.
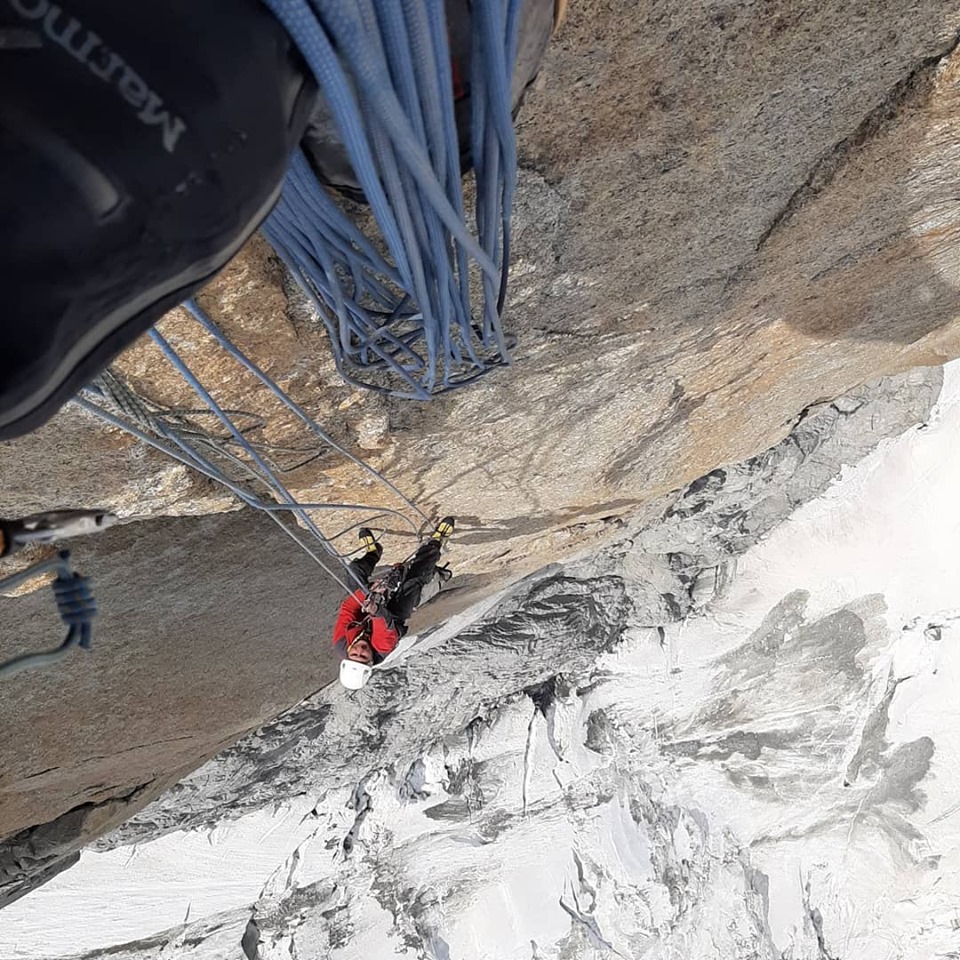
(140, 147)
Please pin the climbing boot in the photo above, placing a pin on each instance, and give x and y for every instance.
(369, 540)
(443, 530)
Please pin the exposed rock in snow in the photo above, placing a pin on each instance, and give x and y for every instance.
(678, 747)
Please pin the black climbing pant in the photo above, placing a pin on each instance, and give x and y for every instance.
(363, 567)
(422, 569)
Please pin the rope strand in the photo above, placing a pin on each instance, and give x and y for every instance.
(405, 325)
(243, 470)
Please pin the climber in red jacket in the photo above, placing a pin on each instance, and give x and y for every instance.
(374, 617)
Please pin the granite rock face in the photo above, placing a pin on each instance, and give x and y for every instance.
(725, 214)
(207, 627)
(548, 623)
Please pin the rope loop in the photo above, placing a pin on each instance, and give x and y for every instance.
(76, 604)
(412, 302)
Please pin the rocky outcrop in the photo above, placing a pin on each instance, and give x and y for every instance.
(207, 628)
(549, 623)
(210, 627)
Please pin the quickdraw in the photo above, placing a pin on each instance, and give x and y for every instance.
(75, 603)
(74, 598)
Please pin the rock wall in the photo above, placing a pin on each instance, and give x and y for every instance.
(212, 626)
(725, 214)
(552, 622)
(207, 628)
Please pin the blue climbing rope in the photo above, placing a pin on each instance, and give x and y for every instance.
(201, 317)
(234, 460)
(403, 323)
(75, 604)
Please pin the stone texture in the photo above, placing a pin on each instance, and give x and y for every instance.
(556, 621)
(654, 761)
(207, 628)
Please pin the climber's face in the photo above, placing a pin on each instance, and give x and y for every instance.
(361, 651)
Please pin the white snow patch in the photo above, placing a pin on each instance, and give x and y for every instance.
(132, 892)
(891, 527)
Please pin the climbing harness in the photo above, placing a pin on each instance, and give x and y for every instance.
(383, 588)
(386, 586)
(74, 602)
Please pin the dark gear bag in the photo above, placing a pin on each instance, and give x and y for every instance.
(140, 146)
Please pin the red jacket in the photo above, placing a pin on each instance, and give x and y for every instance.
(350, 624)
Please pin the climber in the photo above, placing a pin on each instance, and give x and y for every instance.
(374, 617)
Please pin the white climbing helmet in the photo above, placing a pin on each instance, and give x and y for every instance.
(353, 675)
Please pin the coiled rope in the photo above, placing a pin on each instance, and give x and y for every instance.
(403, 322)
(75, 603)
(397, 306)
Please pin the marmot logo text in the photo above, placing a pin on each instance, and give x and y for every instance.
(86, 46)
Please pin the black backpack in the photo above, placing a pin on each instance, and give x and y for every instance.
(140, 146)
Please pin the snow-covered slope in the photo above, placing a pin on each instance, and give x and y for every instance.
(663, 751)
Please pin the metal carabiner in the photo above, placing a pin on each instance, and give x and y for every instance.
(54, 525)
